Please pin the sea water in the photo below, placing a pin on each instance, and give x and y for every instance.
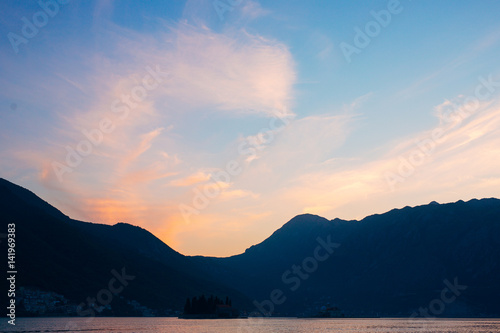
(251, 325)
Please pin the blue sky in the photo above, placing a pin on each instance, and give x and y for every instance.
(247, 113)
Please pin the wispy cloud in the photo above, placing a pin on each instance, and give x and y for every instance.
(199, 177)
(252, 9)
(233, 73)
(144, 144)
(428, 80)
(334, 189)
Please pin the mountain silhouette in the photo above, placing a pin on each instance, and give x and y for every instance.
(76, 259)
(392, 264)
(389, 265)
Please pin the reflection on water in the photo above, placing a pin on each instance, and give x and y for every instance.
(252, 325)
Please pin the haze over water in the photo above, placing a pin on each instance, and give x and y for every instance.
(252, 325)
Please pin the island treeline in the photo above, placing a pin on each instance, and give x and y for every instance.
(202, 305)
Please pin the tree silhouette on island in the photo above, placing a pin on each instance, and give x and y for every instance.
(211, 308)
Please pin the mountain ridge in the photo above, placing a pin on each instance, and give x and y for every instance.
(46, 206)
(385, 264)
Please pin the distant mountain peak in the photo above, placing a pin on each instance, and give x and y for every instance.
(305, 220)
(307, 217)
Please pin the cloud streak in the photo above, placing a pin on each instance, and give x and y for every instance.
(215, 87)
(140, 169)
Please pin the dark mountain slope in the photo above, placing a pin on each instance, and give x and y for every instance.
(389, 264)
(75, 258)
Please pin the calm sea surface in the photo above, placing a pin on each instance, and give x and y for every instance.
(149, 325)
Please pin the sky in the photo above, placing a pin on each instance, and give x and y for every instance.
(213, 123)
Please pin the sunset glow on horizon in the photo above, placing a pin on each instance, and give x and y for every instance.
(211, 124)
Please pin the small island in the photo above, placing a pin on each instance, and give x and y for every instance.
(329, 312)
(211, 308)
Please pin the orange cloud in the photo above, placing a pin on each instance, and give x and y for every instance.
(199, 177)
